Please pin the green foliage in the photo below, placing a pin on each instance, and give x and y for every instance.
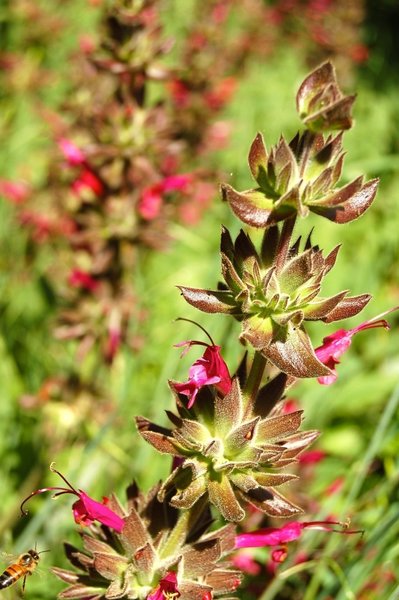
(359, 414)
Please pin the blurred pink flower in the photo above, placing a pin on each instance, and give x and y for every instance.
(245, 562)
(167, 585)
(337, 343)
(210, 369)
(150, 203)
(311, 457)
(72, 153)
(15, 191)
(85, 510)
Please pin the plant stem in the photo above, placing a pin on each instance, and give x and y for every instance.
(186, 522)
(254, 379)
(284, 242)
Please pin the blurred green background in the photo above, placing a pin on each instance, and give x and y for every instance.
(99, 449)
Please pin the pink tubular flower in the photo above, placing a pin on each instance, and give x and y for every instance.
(278, 536)
(337, 343)
(71, 152)
(210, 369)
(85, 510)
(167, 588)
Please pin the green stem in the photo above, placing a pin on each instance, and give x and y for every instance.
(186, 522)
(284, 242)
(254, 380)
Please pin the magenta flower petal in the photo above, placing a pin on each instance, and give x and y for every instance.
(209, 369)
(337, 343)
(270, 536)
(175, 182)
(167, 585)
(86, 510)
(71, 152)
(277, 536)
(150, 203)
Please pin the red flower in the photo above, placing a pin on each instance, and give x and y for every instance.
(87, 181)
(85, 509)
(210, 369)
(167, 588)
(180, 93)
(82, 279)
(337, 343)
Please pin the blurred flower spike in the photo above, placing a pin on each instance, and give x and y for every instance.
(167, 588)
(85, 510)
(337, 343)
(277, 536)
(210, 369)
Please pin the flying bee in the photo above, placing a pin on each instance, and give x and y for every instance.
(24, 565)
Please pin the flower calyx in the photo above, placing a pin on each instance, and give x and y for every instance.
(321, 104)
(273, 294)
(228, 454)
(297, 177)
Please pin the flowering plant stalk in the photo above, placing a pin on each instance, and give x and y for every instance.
(230, 437)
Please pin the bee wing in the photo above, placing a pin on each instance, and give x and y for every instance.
(7, 558)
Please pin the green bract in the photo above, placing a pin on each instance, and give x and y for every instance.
(230, 452)
(273, 293)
